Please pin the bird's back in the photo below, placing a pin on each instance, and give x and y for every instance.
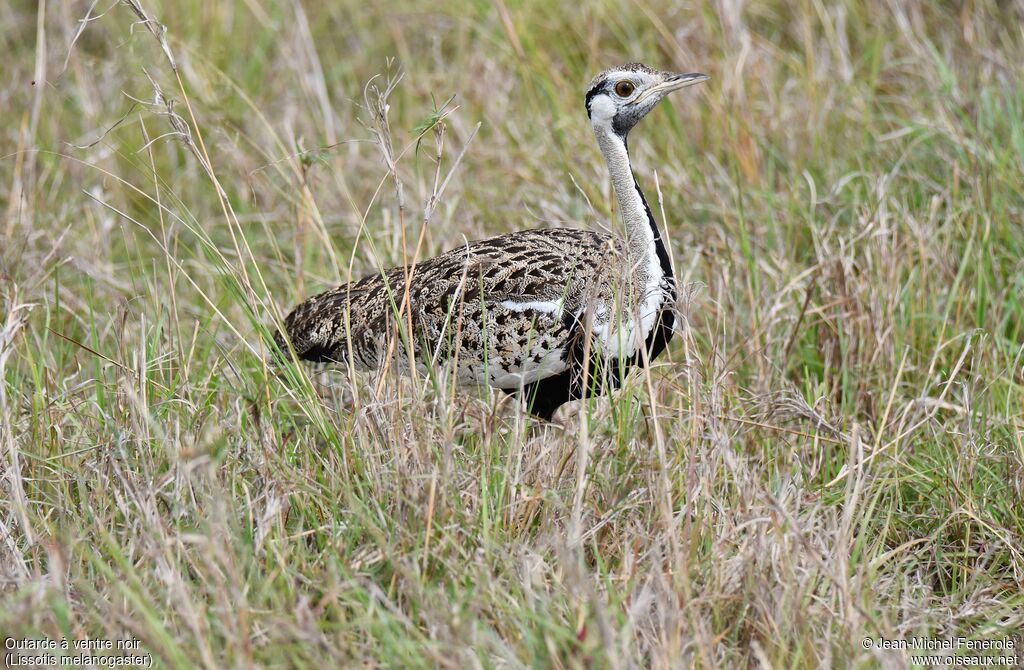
(503, 310)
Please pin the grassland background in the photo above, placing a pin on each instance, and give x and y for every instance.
(832, 449)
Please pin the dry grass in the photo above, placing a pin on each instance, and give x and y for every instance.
(833, 449)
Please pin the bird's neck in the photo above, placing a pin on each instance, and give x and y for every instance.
(644, 245)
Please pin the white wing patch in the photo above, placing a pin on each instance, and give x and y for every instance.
(543, 306)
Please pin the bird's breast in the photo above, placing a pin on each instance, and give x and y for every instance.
(621, 329)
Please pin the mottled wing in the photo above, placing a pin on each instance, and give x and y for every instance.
(503, 310)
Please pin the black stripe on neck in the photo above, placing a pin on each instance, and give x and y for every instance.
(659, 245)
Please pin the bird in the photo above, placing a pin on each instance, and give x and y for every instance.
(549, 315)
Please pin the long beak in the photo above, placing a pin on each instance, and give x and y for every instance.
(673, 82)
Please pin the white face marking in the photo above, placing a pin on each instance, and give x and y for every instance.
(602, 109)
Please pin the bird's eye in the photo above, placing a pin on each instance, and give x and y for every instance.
(624, 88)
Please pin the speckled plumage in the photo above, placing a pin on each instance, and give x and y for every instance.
(518, 311)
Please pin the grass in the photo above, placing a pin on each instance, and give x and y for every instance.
(833, 449)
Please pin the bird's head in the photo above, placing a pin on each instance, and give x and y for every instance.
(618, 98)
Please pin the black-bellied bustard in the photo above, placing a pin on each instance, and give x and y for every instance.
(552, 315)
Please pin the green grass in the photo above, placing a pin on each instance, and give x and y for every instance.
(833, 449)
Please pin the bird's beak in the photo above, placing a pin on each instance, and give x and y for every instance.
(673, 82)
